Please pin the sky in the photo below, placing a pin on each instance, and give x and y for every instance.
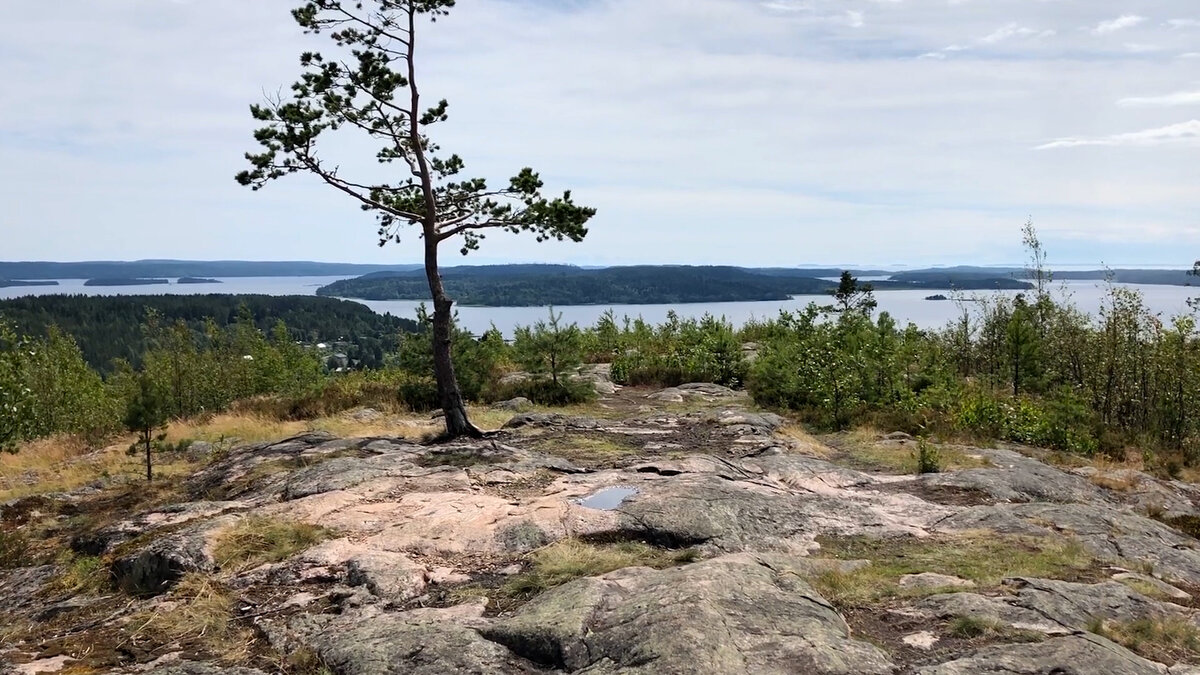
(743, 132)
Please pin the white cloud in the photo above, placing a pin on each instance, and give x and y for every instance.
(1120, 23)
(1007, 31)
(1183, 23)
(1175, 99)
(1182, 133)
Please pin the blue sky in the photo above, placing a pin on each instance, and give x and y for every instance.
(773, 132)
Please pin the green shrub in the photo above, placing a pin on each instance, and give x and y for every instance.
(680, 351)
(544, 392)
(929, 460)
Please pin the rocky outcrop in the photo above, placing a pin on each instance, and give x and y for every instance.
(1053, 607)
(733, 614)
(416, 643)
(154, 568)
(433, 552)
(1013, 477)
(1081, 654)
(1113, 534)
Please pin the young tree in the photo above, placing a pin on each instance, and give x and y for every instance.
(370, 88)
(851, 296)
(550, 348)
(146, 413)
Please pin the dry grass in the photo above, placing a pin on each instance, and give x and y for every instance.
(257, 540)
(805, 443)
(984, 558)
(865, 448)
(572, 559)
(972, 627)
(64, 463)
(199, 615)
(244, 427)
(1168, 640)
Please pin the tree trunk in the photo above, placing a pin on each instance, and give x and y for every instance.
(149, 474)
(453, 408)
(455, 412)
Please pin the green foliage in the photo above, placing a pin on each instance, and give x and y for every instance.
(17, 414)
(544, 392)
(46, 388)
(838, 371)
(851, 296)
(929, 460)
(477, 362)
(110, 328)
(679, 351)
(389, 390)
(205, 372)
(549, 349)
(368, 87)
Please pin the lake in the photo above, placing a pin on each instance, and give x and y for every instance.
(905, 306)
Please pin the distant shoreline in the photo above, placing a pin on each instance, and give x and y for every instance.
(127, 282)
(20, 283)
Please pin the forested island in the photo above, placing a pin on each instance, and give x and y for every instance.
(16, 283)
(121, 281)
(111, 327)
(197, 280)
(535, 285)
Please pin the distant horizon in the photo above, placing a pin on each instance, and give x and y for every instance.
(888, 267)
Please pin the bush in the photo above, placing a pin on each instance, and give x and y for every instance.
(544, 392)
(929, 460)
(1060, 423)
(679, 352)
(387, 390)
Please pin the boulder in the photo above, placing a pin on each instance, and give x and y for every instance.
(1054, 607)
(517, 404)
(417, 643)
(156, 567)
(19, 588)
(932, 580)
(1081, 654)
(733, 614)
(1013, 477)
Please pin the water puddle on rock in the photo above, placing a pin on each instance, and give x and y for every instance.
(608, 498)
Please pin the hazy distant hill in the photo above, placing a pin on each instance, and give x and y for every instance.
(964, 274)
(182, 268)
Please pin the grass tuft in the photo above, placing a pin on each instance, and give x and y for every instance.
(984, 559)
(257, 540)
(1168, 640)
(199, 615)
(572, 559)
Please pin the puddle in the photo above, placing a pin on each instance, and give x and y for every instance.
(608, 498)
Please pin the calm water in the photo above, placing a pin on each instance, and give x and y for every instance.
(905, 306)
